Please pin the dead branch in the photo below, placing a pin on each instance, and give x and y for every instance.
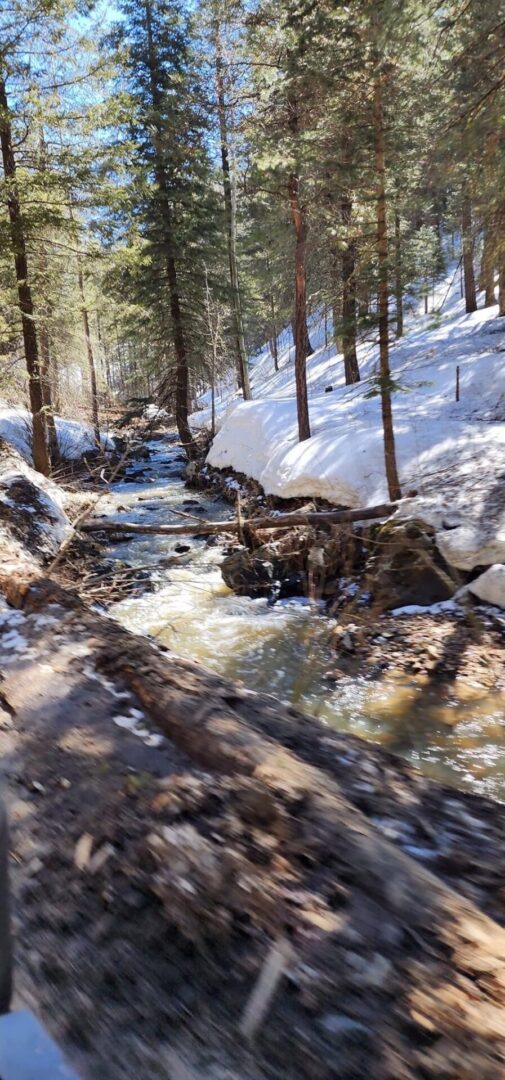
(279, 521)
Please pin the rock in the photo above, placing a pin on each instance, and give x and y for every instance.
(344, 1028)
(374, 974)
(248, 574)
(490, 586)
(406, 566)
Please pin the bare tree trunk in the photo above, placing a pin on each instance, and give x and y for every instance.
(468, 253)
(273, 323)
(25, 301)
(398, 276)
(104, 353)
(486, 279)
(351, 368)
(178, 335)
(501, 285)
(89, 353)
(43, 336)
(231, 219)
(382, 296)
(45, 378)
(298, 218)
(308, 347)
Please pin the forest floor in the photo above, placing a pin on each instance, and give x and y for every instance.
(152, 874)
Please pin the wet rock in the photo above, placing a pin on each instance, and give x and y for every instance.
(248, 574)
(182, 548)
(406, 566)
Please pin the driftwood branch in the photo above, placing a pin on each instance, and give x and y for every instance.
(279, 521)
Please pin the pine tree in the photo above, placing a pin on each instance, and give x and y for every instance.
(170, 176)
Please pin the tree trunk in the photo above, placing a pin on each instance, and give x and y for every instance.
(275, 351)
(89, 353)
(501, 285)
(308, 347)
(468, 253)
(178, 335)
(382, 296)
(486, 278)
(300, 328)
(398, 276)
(45, 378)
(25, 301)
(351, 368)
(43, 335)
(231, 219)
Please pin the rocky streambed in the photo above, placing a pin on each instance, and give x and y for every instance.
(428, 685)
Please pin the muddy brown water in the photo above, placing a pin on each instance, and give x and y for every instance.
(285, 648)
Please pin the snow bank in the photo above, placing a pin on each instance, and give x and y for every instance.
(74, 437)
(451, 453)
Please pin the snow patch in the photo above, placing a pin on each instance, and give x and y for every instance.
(74, 437)
(443, 606)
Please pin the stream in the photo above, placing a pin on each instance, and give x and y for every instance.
(284, 648)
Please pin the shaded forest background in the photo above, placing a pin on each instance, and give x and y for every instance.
(182, 182)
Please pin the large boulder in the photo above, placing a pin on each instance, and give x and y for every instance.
(33, 522)
(406, 567)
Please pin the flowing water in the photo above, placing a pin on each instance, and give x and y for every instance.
(285, 648)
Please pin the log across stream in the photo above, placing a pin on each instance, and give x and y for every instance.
(285, 649)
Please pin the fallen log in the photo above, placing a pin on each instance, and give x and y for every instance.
(279, 521)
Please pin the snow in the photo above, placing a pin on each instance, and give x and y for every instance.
(490, 586)
(74, 437)
(447, 606)
(154, 412)
(450, 453)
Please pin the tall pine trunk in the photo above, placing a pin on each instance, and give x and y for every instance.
(398, 276)
(486, 277)
(300, 328)
(351, 368)
(44, 315)
(382, 295)
(25, 300)
(308, 347)
(230, 210)
(167, 228)
(273, 323)
(468, 254)
(89, 353)
(501, 285)
(45, 378)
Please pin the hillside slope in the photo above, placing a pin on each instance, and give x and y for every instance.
(451, 453)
